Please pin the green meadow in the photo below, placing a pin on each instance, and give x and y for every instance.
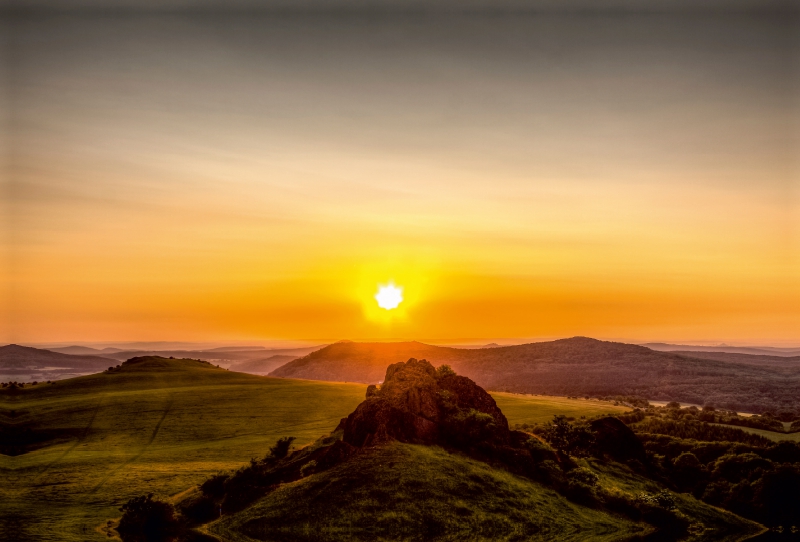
(771, 435)
(164, 428)
(533, 409)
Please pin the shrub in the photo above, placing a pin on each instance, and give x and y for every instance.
(281, 448)
(567, 438)
(214, 486)
(146, 519)
(444, 370)
(663, 499)
(583, 476)
(469, 427)
(308, 468)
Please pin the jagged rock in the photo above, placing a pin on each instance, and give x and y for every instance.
(415, 405)
(615, 439)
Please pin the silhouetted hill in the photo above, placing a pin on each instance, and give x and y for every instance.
(224, 357)
(84, 350)
(24, 363)
(576, 366)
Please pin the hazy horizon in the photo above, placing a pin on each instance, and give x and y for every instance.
(301, 343)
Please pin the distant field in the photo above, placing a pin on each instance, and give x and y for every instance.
(540, 409)
(772, 435)
(121, 435)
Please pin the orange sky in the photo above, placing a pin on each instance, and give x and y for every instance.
(250, 179)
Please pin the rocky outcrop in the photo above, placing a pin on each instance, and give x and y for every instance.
(420, 405)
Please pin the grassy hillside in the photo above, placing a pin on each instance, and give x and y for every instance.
(413, 492)
(407, 492)
(577, 366)
(164, 425)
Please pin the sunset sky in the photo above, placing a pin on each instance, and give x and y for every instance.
(257, 177)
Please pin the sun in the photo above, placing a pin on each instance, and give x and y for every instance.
(389, 296)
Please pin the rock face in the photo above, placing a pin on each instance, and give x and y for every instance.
(417, 404)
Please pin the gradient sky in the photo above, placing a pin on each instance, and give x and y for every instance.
(238, 177)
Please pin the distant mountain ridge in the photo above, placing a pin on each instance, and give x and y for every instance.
(223, 356)
(25, 363)
(575, 366)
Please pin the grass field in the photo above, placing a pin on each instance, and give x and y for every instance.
(772, 435)
(164, 429)
(532, 409)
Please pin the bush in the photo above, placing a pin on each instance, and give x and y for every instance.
(567, 438)
(281, 448)
(663, 499)
(308, 468)
(444, 370)
(214, 486)
(583, 476)
(146, 519)
(470, 427)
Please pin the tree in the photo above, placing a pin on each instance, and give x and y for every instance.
(567, 438)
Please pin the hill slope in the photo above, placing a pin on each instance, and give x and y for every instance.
(84, 444)
(414, 492)
(787, 364)
(429, 456)
(576, 366)
(753, 350)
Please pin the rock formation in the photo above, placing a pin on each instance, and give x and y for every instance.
(418, 404)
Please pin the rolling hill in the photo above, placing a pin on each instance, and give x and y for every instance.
(23, 363)
(576, 366)
(83, 446)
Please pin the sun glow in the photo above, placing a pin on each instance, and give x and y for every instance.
(389, 296)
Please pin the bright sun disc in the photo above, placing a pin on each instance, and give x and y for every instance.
(389, 296)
